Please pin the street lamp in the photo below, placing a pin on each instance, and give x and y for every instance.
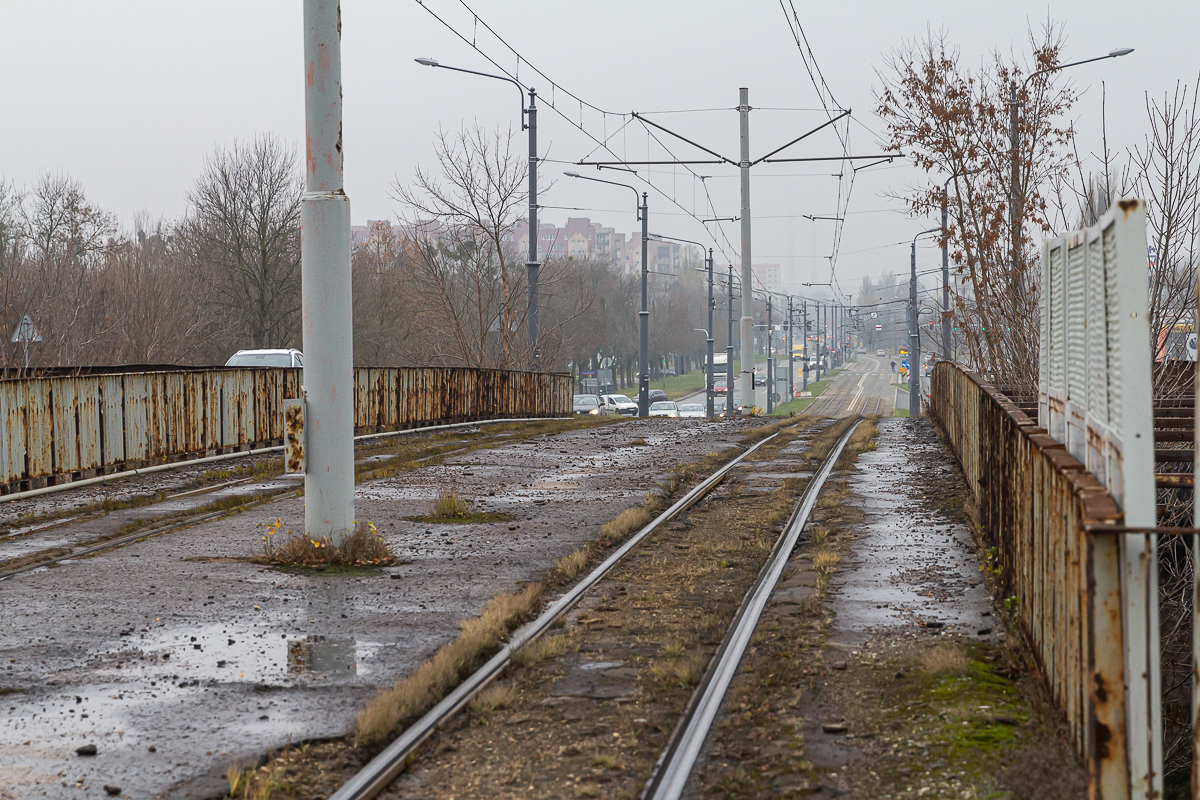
(709, 267)
(914, 353)
(532, 266)
(644, 314)
(1016, 197)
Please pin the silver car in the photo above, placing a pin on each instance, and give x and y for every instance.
(692, 411)
(266, 358)
(664, 408)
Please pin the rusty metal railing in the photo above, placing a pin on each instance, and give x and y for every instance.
(1052, 530)
(57, 429)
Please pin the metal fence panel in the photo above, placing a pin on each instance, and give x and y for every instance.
(58, 426)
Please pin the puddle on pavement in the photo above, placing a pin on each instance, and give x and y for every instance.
(20, 547)
(182, 657)
(910, 566)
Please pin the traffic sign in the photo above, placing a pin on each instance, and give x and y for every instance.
(904, 363)
(878, 327)
(26, 332)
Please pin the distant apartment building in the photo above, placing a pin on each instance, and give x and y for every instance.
(579, 238)
(769, 277)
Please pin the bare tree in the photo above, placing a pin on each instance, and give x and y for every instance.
(460, 227)
(1166, 170)
(67, 239)
(955, 122)
(154, 300)
(244, 230)
(386, 314)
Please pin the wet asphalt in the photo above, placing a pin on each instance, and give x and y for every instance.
(174, 656)
(914, 566)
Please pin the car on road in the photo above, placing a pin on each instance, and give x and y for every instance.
(692, 411)
(720, 387)
(759, 378)
(588, 404)
(664, 408)
(881, 352)
(656, 395)
(266, 358)
(619, 404)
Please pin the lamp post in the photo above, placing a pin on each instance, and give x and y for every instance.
(532, 266)
(947, 351)
(644, 314)
(708, 266)
(914, 352)
(1016, 196)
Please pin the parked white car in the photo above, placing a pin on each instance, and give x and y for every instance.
(620, 404)
(692, 411)
(664, 408)
(266, 358)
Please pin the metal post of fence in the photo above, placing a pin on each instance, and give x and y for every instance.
(325, 285)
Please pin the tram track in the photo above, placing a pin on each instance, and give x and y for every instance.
(153, 527)
(388, 765)
(671, 776)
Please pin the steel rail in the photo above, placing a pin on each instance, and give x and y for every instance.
(131, 473)
(387, 766)
(147, 533)
(251, 502)
(675, 766)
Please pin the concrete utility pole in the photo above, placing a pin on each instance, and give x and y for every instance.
(711, 333)
(914, 352)
(820, 341)
(325, 286)
(791, 354)
(804, 366)
(747, 268)
(770, 359)
(947, 350)
(533, 268)
(644, 316)
(729, 352)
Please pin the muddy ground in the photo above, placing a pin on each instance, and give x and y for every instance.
(174, 656)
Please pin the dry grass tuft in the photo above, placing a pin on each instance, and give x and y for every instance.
(817, 534)
(824, 561)
(944, 659)
(572, 564)
(448, 505)
(539, 650)
(638, 442)
(251, 783)
(494, 698)
(417, 692)
(607, 761)
(365, 547)
(625, 523)
(685, 672)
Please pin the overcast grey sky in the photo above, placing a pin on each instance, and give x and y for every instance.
(129, 97)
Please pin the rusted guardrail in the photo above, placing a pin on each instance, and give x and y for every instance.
(1036, 504)
(57, 429)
